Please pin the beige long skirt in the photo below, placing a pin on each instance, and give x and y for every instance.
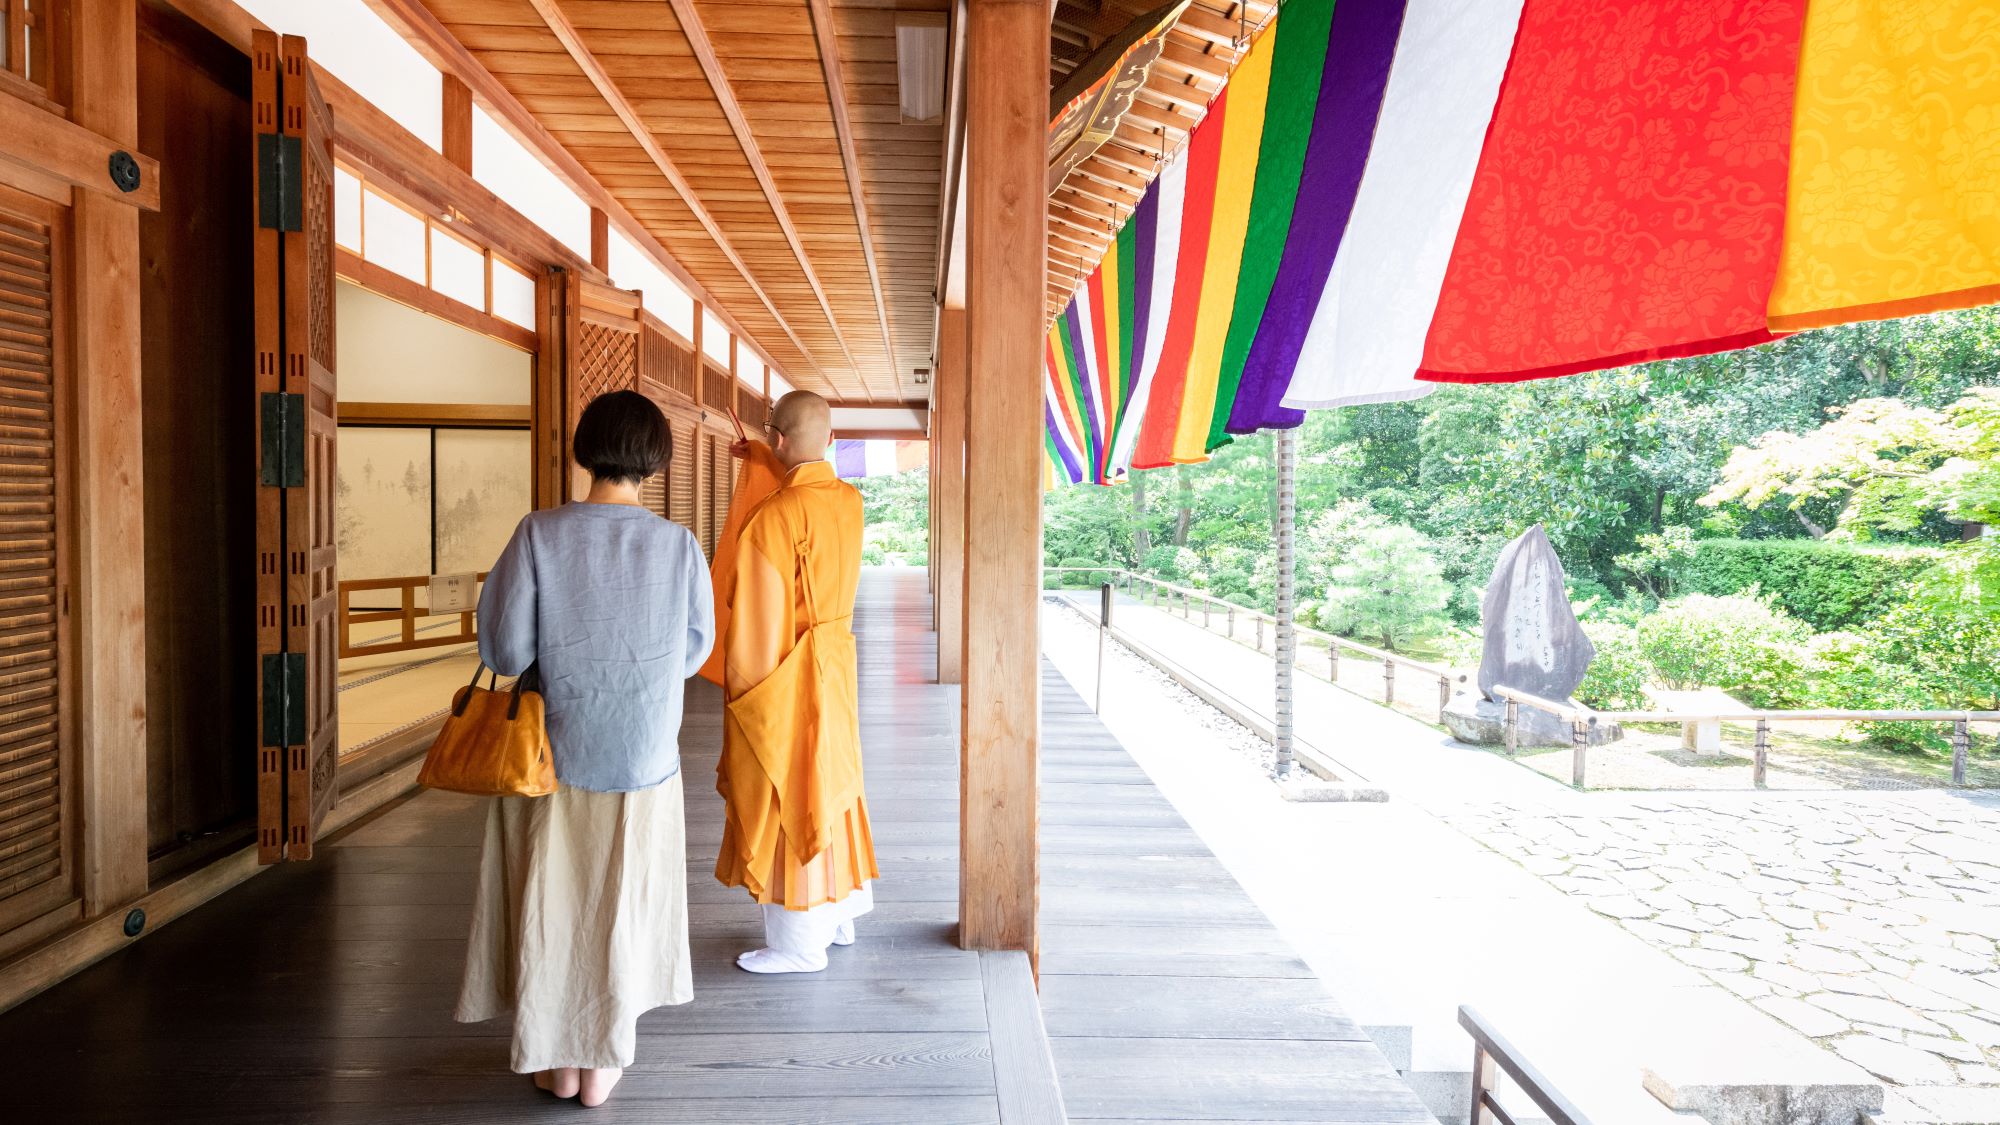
(580, 922)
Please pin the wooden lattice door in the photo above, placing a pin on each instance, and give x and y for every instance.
(600, 354)
(299, 751)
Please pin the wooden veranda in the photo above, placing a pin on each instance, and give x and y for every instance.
(323, 993)
(237, 235)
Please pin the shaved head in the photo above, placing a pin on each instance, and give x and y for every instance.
(805, 424)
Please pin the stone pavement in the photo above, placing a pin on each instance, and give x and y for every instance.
(1865, 922)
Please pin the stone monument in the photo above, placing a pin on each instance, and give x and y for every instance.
(1533, 644)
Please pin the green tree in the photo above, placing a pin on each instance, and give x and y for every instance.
(1389, 589)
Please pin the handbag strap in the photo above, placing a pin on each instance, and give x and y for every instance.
(492, 684)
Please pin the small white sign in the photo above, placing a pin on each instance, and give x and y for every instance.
(454, 593)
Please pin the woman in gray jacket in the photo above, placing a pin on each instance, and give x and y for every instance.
(580, 924)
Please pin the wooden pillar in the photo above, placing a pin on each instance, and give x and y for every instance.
(108, 603)
(600, 239)
(457, 122)
(948, 493)
(1006, 151)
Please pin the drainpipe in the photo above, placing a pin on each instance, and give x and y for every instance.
(1286, 447)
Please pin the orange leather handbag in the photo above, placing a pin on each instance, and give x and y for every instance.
(493, 743)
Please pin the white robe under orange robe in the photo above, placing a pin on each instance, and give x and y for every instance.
(796, 828)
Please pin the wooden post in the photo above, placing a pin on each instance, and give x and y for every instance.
(1389, 682)
(1332, 660)
(1444, 695)
(600, 241)
(1513, 728)
(1006, 203)
(1484, 1079)
(1763, 748)
(1961, 750)
(108, 621)
(1579, 736)
(457, 122)
(948, 472)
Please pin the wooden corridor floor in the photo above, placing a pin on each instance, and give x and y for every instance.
(322, 992)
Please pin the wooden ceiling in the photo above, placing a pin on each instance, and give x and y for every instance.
(1096, 198)
(763, 144)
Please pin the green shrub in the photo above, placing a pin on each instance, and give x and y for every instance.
(1094, 576)
(1827, 584)
(1852, 672)
(1170, 562)
(1742, 645)
(1231, 585)
(873, 555)
(1616, 680)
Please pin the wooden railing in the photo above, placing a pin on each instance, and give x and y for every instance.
(1581, 720)
(1491, 1053)
(407, 615)
(1159, 590)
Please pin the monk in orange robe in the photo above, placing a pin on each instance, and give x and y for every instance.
(796, 831)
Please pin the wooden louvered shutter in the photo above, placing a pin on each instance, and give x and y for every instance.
(653, 491)
(680, 478)
(35, 863)
(722, 481)
(298, 755)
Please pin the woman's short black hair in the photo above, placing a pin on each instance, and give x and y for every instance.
(622, 436)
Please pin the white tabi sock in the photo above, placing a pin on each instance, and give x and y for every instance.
(779, 961)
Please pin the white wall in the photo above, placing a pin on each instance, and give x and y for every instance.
(389, 352)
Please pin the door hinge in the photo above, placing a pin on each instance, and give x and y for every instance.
(283, 463)
(285, 699)
(280, 182)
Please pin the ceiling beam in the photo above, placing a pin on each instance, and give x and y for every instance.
(1159, 116)
(836, 99)
(1195, 60)
(566, 34)
(423, 31)
(732, 111)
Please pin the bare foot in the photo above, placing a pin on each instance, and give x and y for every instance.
(562, 1081)
(597, 1084)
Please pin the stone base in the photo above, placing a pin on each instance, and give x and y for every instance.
(1305, 787)
(1483, 722)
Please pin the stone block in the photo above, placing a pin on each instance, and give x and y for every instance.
(1483, 722)
(1809, 1088)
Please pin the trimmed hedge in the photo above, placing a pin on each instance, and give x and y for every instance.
(1827, 585)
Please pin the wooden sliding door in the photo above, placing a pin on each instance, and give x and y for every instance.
(297, 595)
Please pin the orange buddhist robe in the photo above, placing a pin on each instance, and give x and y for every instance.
(796, 828)
(759, 476)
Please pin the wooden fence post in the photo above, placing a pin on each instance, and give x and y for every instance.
(1961, 750)
(1513, 727)
(1579, 734)
(1763, 747)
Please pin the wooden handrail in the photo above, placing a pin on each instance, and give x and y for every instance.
(1489, 1050)
(1582, 719)
(407, 613)
(1445, 677)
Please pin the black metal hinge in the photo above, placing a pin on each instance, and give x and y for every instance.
(285, 699)
(280, 182)
(283, 463)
